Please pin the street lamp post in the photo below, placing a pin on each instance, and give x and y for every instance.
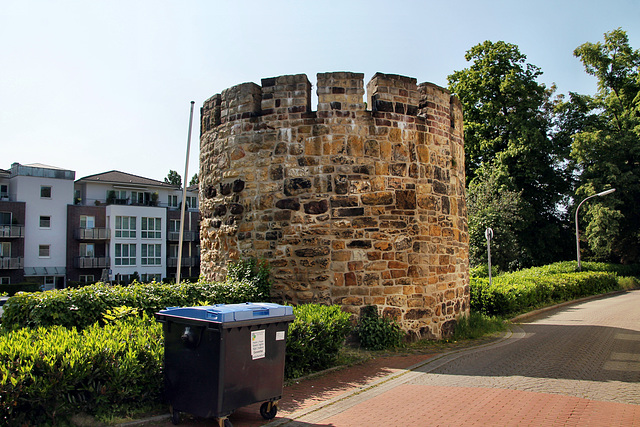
(603, 193)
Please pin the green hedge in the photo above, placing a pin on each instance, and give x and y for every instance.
(12, 288)
(48, 374)
(315, 337)
(81, 307)
(528, 289)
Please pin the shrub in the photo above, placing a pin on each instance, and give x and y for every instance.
(524, 290)
(477, 325)
(48, 374)
(377, 333)
(81, 307)
(315, 338)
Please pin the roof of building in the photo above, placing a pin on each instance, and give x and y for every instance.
(117, 177)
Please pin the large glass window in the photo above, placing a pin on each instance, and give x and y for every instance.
(45, 191)
(173, 251)
(87, 221)
(87, 250)
(151, 228)
(150, 254)
(174, 225)
(5, 249)
(192, 202)
(4, 191)
(173, 201)
(125, 254)
(126, 226)
(5, 218)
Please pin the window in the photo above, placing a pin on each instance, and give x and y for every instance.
(137, 197)
(87, 250)
(5, 218)
(45, 221)
(192, 202)
(173, 251)
(148, 278)
(174, 225)
(150, 254)
(87, 221)
(43, 251)
(4, 191)
(86, 278)
(5, 249)
(126, 226)
(125, 254)
(45, 192)
(173, 201)
(5, 281)
(151, 228)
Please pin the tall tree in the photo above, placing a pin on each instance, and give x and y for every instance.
(508, 127)
(173, 178)
(194, 180)
(607, 149)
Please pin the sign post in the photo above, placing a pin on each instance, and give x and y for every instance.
(488, 233)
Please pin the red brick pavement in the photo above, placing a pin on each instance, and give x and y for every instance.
(418, 405)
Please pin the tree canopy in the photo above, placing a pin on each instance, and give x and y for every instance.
(509, 137)
(173, 178)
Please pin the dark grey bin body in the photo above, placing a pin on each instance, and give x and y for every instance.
(213, 367)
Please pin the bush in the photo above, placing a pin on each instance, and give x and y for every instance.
(378, 333)
(13, 288)
(315, 338)
(48, 374)
(81, 307)
(528, 289)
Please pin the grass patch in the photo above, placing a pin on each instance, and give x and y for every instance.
(478, 325)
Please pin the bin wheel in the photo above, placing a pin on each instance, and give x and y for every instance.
(175, 417)
(227, 423)
(268, 410)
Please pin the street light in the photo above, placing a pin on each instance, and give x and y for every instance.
(603, 193)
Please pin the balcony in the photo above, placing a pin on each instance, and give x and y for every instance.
(92, 262)
(186, 262)
(188, 236)
(92, 234)
(12, 231)
(11, 263)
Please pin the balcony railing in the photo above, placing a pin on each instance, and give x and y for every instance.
(11, 263)
(188, 236)
(92, 234)
(11, 230)
(186, 262)
(92, 262)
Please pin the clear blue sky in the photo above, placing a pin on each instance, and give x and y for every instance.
(93, 85)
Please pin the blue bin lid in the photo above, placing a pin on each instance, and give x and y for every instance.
(230, 312)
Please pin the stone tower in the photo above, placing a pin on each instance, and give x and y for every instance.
(353, 204)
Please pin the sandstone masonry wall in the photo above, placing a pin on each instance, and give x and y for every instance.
(350, 206)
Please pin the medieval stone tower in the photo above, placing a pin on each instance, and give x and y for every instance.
(352, 204)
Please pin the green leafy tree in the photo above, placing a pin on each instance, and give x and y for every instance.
(173, 178)
(194, 180)
(492, 204)
(607, 149)
(508, 119)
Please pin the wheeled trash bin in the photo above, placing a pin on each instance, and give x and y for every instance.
(222, 357)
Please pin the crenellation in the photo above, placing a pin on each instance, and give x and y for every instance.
(350, 206)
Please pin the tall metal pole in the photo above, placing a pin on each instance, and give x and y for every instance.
(488, 233)
(184, 195)
(603, 193)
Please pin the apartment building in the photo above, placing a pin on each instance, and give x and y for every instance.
(112, 226)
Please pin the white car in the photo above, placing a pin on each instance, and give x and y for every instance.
(2, 301)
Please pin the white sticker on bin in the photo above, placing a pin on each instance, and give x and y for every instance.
(279, 335)
(258, 349)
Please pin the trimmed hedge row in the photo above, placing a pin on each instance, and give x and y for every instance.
(48, 374)
(528, 289)
(82, 307)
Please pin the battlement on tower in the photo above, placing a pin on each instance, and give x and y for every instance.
(340, 94)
